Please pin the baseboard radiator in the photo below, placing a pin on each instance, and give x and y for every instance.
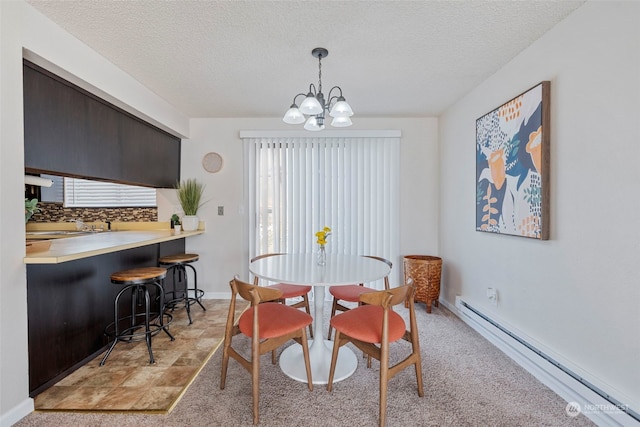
(592, 401)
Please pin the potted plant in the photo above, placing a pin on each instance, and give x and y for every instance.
(190, 194)
(30, 207)
(175, 222)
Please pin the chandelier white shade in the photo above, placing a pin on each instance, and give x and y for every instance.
(341, 109)
(311, 106)
(341, 122)
(312, 109)
(293, 116)
(313, 124)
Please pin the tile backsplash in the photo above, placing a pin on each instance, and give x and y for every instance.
(55, 212)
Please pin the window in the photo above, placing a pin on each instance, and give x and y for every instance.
(74, 192)
(299, 184)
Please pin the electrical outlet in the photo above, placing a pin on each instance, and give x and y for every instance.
(220, 210)
(492, 296)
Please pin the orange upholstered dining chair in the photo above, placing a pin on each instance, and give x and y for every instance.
(372, 327)
(351, 293)
(269, 324)
(289, 291)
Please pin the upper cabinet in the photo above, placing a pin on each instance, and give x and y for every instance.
(68, 131)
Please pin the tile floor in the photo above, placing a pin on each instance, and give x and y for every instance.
(127, 382)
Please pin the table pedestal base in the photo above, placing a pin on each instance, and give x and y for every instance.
(292, 362)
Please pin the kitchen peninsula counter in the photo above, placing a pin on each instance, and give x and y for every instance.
(74, 248)
(70, 297)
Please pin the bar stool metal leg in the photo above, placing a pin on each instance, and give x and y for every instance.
(147, 320)
(138, 282)
(197, 293)
(185, 295)
(162, 304)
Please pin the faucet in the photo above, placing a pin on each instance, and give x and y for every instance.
(82, 226)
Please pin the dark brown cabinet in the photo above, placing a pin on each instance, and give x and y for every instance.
(68, 131)
(147, 158)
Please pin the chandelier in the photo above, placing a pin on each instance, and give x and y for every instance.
(312, 109)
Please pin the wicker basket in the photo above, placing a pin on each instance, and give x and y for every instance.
(425, 271)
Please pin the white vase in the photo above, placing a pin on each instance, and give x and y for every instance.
(190, 222)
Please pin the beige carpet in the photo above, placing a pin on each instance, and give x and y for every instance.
(127, 382)
(468, 382)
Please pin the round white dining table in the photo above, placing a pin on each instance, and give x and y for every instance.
(302, 269)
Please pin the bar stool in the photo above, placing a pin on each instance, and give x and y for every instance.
(141, 323)
(177, 264)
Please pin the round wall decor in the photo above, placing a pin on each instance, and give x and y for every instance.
(212, 162)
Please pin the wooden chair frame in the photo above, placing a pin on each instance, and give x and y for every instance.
(301, 304)
(385, 299)
(256, 295)
(336, 306)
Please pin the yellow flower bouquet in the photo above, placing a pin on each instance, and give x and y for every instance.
(322, 236)
(322, 240)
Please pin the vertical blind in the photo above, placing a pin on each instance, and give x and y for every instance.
(298, 185)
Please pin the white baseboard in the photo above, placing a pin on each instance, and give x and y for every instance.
(17, 413)
(598, 409)
(217, 295)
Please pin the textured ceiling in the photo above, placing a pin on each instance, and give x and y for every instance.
(249, 58)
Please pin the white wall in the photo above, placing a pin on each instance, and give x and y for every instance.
(577, 295)
(25, 31)
(224, 248)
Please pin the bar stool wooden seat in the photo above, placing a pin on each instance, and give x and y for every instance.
(141, 323)
(186, 296)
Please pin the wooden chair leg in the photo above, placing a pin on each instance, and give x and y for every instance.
(383, 400)
(418, 362)
(225, 363)
(334, 358)
(307, 361)
(226, 346)
(384, 380)
(334, 307)
(255, 378)
(305, 298)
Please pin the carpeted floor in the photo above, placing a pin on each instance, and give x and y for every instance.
(468, 382)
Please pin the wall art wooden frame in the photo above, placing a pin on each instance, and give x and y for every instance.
(512, 166)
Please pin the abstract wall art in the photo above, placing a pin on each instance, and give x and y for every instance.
(512, 166)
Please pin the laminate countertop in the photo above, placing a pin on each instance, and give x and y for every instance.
(73, 248)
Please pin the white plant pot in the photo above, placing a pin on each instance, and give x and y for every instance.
(190, 222)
